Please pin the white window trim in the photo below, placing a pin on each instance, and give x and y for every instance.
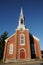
(20, 39)
(11, 50)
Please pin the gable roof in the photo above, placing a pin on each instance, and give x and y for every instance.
(9, 37)
(35, 38)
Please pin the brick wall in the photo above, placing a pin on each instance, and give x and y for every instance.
(37, 48)
(26, 46)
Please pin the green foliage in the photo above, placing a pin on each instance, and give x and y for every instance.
(2, 43)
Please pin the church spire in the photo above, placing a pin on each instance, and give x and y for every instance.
(21, 20)
(21, 13)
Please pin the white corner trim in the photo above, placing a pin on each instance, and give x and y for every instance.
(6, 40)
(9, 37)
(36, 38)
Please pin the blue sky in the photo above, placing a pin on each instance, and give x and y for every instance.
(33, 12)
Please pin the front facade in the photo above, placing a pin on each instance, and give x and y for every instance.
(21, 45)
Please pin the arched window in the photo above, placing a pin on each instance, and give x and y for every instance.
(21, 21)
(22, 39)
(11, 49)
(22, 50)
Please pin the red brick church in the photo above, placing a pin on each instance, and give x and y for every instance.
(22, 44)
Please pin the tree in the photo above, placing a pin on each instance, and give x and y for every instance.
(2, 43)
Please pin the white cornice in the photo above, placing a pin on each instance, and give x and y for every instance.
(9, 37)
(23, 29)
(36, 38)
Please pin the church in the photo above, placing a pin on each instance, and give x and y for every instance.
(22, 44)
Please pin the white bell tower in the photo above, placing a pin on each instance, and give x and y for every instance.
(21, 21)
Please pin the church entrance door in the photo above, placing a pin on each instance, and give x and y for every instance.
(22, 53)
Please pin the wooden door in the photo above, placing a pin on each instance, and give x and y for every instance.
(22, 53)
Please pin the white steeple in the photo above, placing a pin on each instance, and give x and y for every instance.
(21, 20)
(21, 13)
